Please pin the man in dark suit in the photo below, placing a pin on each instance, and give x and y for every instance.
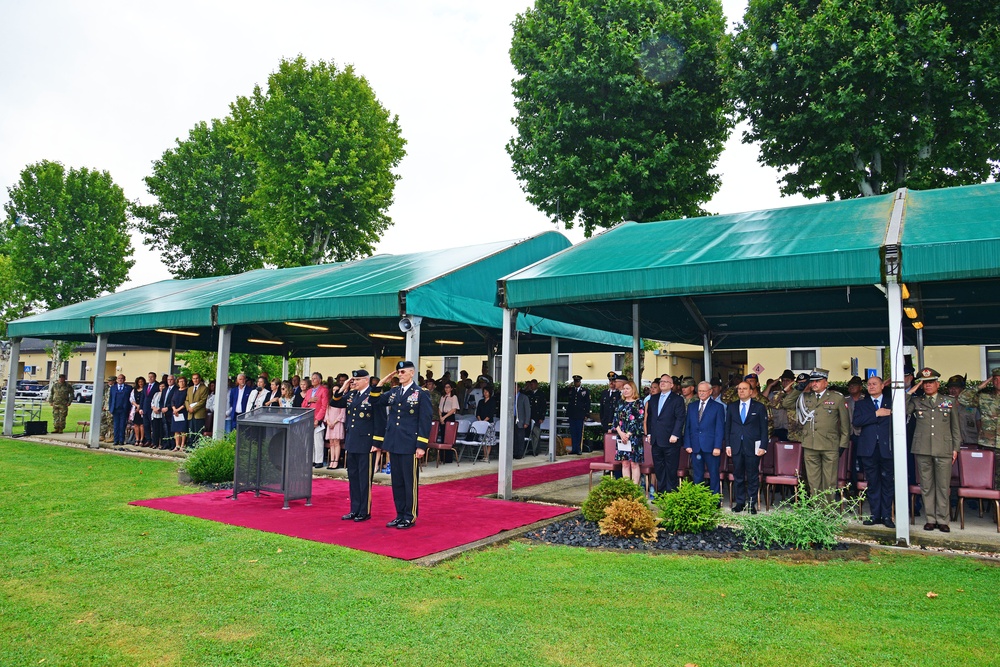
(238, 397)
(152, 386)
(873, 415)
(706, 423)
(577, 410)
(119, 404)
(746, 442)
(666, 425)
(408, 426)
(166, 401)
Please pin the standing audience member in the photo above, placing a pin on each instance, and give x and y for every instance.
(627, 424)
(746, 442)
(317, 398)
(706, 424)
(300, 392)
(873, 416)
(60, 397)
(827, 429)
(152, 386)
(447, 408)
(335, 416)
(196, 404)
(986, 398)
(238, 397)
(522, 421)
(135, 415)
(608, 401)
(666, 426)
(107, 419)
(287, 395)
(119, 404)
(156, 416)
(577, 410)
(178, 409)
(937, 437)
(971, 417)
(260, 395)
(167, 410)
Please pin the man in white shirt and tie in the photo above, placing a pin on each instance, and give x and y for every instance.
(746, 441)
(873, 415)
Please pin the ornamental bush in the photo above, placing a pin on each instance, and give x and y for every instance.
(627, 517)
(691, 508)
(213, 460)
(803, 522)
(609, 490)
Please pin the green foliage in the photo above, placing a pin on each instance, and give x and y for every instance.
(804, 522)
(692, 508)
(854, 98)
(213, 461)
(626, 517)
(201, 224)
(621, 108)
(252, 365)
(14, 303)
(324, 149)
(66, 234)
(608, 491)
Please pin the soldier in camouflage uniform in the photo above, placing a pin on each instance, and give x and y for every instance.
(60, 396)
(986, 397)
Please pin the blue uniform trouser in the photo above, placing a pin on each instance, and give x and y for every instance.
(360, 468)
(702, 460)
(404, 472)
(576, 435)
(120, 420)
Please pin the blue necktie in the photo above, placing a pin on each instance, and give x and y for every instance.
(743, 412)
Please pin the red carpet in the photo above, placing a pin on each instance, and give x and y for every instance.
(450, 513)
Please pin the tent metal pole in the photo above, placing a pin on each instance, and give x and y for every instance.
(894, 295)
(507, 391)
(707, 344)
(553, 395)
(636, 349)
(413, 343)
(8, 412)
(97, 401)
(173, 354)
(920, 349)
(284, 368)
(222, 381)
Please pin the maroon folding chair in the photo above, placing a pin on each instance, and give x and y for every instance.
(975, 471)
(448, 442)
(609, 463)
(914, 491)
(787, 464)
(727, 474)
(646, 467)
(431, 440)
(844, 466)
(683, 465)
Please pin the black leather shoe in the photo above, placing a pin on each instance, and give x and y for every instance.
(888, 523)
(753, 509)
(870, 521)
(739, 508)
(362, 517)
(349, 516)
(944, 528)
(393, 523)
(404, 524)
(930, 526)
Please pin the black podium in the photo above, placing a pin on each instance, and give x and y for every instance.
(274, 453)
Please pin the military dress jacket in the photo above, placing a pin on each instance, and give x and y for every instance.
(938, 430)
(579, 403)
(408, 422)
(830, 428)
(364, 423)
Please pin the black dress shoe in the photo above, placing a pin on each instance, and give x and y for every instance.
(753, 509)
(930, 526)
(393, 523)
(944, 528)
(404, 524)
(362, 517)
(317, 465)
(349, 516)
(739, 508)
(871, 521)
(888, 523)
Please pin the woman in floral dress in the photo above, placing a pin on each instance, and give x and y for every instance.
(627, 424)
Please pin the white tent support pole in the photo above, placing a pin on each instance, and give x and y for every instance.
(8, 411)
(707, 344)
(894, 297)
(222, 381)
(507, 391)
(553, 395)
(636, 349)
(173, 354)
(413, 344)
(97, 400)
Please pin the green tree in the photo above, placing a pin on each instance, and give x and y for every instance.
(325, 149)
(621, 108)
(201, 223)
(859, 98)
(252, 365)
(13, 301)
(67, 235)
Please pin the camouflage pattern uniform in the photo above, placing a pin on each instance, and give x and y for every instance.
(60, 396)
(987, 400)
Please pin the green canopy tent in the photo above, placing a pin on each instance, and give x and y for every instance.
(830, 273)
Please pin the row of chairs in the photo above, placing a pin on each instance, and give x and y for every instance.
(479, 436)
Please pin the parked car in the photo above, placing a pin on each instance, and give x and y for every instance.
(84, 393)
(32, 390)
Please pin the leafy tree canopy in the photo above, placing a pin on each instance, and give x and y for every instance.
(325, 149)
(621, 108)
(862, 97)
(201, 223)
(13, 301)
(252, 365)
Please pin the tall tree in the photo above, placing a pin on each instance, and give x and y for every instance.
(325, 149)
(621, 108)
(67, 235)
(201, 223)
(862, 97)
(13, 301)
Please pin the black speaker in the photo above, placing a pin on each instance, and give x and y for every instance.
(36, 428)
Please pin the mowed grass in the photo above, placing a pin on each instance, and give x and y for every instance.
(89, 580)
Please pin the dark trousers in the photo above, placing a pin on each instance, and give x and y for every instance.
(405, 478)
(168, 426)
(665, 462)
(881, 485)
(702, 460)
(576, 435)
(147, 425)
(119, 419)
(155, 432)
(746, 474)
(520, 433)
(195, 426)
(359, 478)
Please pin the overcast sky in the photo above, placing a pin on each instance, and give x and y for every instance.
(111, 85)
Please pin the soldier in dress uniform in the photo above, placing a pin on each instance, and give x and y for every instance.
(826, 426)
(609, 400)
(408, 426)
(577, 410)
(60, 396)
(363, 435)
(937, 437)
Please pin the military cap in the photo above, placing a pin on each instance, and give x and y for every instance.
(819, 374)
(751, 375)
(687, 382)
(995, 373)
(787, 375)
(928, 375)
(359, 373)
(716, 382)
(855, 380)
(612, 375)
(404, 364)
(620, 377)
(577, 377)
(908, 369)
(956, 381)
(802, 377)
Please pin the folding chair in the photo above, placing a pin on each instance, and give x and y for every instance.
(787, 464)
(609, 463)
(975, 472)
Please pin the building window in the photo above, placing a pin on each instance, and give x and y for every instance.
(992, 359)
(497, 368)
(801, 361)
(562, 372)
(619, 361)
(451, 366)
(48, 370)
(83, 371)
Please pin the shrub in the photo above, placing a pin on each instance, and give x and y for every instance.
(692, 508)
(609, 490)
(212, 461)
(802, 522)
(627, 517)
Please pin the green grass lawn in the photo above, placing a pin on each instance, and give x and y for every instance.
(77, 412)
(88, 580)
